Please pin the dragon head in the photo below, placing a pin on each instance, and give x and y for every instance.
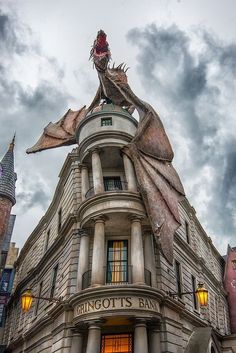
(100, 52)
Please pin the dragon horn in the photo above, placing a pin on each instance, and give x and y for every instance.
(119, 67)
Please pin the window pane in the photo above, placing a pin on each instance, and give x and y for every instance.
(117, 343)
(117, 261)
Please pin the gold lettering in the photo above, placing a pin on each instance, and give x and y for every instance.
(128, 302)
(108, 303)
(91, 305)
(97, 304)
(113, 302)
(141, 302)
(78, 309)
(82, 308)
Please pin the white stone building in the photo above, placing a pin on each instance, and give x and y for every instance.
(94, 248)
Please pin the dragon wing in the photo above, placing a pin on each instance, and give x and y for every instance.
(61, 133)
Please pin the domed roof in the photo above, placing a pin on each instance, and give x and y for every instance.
(109, 108)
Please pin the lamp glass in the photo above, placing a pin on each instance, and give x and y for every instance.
(202, 295)
(26, 300)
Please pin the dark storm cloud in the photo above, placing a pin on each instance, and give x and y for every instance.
(32, 196)
(26, 109)
(10, 34)
(196, 84)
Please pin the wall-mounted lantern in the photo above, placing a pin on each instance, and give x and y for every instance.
(201, 294)
(27, 299)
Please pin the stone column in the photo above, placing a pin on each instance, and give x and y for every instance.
(94, 339)
(137, 258)
(83, 257)
(84, 180)
(155, 340)
(97, 172)
(149, 257)
(77, 343)
(129, 173)
(140, 337)
(98, 259)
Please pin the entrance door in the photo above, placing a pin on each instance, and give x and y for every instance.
(121, 343)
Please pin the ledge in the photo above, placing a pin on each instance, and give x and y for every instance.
(109, 202)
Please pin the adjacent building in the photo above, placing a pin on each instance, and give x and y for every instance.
(7, 199)
(95, 250)
(6, 286)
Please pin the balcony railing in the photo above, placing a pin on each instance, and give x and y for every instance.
(86, 279)
(109, 185)
(147, 277)
(116, 275)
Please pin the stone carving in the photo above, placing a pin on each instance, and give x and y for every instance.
(150, 149)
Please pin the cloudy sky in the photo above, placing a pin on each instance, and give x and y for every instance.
(182, 59)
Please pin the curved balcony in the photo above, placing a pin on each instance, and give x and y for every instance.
(110, 203)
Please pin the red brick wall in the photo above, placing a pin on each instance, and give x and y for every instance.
(5, 210)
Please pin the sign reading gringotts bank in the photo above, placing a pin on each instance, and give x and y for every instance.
(117, 303)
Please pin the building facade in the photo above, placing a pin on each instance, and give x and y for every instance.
(94, 249)
(7, 286)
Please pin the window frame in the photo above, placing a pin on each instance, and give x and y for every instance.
(130, 334)
(194, 287)
(59, 220)
(37, 302)
(178, 278)
(106, 120)
(187, 231)
(53, 280)
(47, 239)
(112, 240)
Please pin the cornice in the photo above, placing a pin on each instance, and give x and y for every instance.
(187, 248)
(48, 256)
(188, 208)
(51, 209)
(199, 261)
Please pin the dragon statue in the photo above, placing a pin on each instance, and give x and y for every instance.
(150, 149)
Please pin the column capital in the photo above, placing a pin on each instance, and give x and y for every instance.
(96, 324)
(100, 219)
(82, 232)
(83, 166)
(97, 150)
(135, 218)
(139, 321)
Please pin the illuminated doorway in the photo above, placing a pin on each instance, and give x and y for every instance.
(122, 343)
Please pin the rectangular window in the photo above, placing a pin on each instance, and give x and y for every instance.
(59, 220)
(47, 240)
(54, 278)
(122, 343)
(187, 232)
(194, 290)
(106, 121)
(178, 278)
(112, 183)
(117, 261)
(38, 300)
(234, 264)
